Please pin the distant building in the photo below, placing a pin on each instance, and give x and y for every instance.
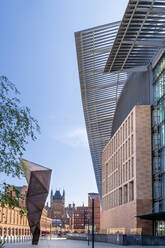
(13, 224)
(57, 205)
(79, 219)
(68, 215)
(23, 190)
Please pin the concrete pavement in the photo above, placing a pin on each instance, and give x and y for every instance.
(64, 243)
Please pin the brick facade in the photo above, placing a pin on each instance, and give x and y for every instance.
(127, 175)
(79, 219)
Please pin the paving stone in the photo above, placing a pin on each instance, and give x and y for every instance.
(64, 243)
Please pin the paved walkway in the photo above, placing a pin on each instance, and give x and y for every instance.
(64, 243)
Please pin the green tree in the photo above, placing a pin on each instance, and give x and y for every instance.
(17, 128)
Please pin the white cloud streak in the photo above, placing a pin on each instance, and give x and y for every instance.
(76, 138)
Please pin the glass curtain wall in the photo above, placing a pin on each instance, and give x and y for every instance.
(158, 143)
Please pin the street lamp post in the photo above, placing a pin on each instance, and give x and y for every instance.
(50, 231)
(88, 230)
(93, 197)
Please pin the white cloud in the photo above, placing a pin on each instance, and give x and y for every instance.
(76, 137)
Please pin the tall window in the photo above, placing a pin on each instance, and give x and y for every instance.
(125, 193)
(131, 191)
(106, 178)
(120, 196)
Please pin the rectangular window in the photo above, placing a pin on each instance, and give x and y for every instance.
(106, 178)
(132, 122)
(129, 153)
(123, 132)
(125, 193)
(132, 144)
(132, 167)
(162, 135)
(126, 172)
(129, 170)
(128, 125)
(123, 153)
(161, 163)
(156, 189)
(120, 196)
(123, 173)
(131, 191)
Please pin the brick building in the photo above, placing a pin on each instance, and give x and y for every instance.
(79, 219)
(127, 175)
(68, 215)
(81, 216)
(13, 224)
(57, 205)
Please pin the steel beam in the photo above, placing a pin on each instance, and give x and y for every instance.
(153, 10)
(146, 43)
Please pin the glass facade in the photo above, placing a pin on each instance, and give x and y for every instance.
(159, 228)
(158, 143)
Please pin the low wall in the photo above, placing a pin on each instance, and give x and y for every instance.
(121, 239)
(144, 240)
(77, 236)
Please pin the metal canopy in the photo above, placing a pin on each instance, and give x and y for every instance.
(153, 216)
(141, 34)
(99, 91)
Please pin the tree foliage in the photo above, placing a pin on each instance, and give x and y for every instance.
(17, 127)
(2, 244)
(11, 196)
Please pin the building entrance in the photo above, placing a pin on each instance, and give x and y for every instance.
(159, 227)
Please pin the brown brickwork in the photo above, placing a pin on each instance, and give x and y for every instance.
(79, 219)
(127, 175)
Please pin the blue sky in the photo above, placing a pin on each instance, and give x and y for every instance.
(38, 54)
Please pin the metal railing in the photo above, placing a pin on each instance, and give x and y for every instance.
(15, 239)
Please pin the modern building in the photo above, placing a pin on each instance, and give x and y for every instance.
(122, 72)
(99, 91)
(127, 175)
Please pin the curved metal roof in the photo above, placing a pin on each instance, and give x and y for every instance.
(140, 35)
(99, 91)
